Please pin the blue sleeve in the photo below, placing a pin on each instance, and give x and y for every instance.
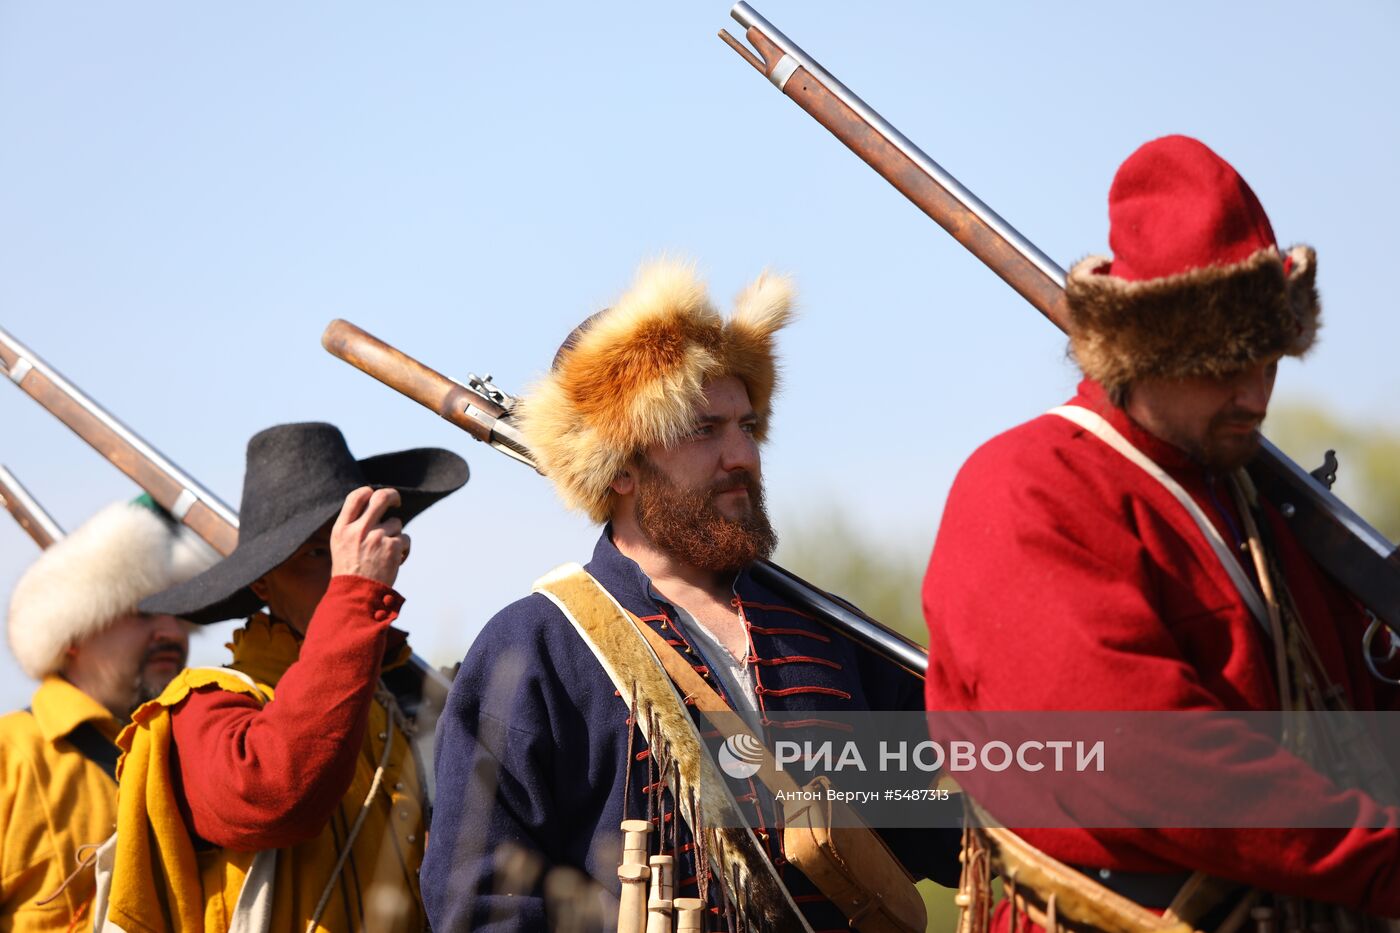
(490, 837)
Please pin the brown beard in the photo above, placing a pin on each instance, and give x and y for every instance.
(686, 524)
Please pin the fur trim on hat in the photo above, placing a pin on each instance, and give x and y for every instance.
(1205, 322)
(93, 576)
(635, 373)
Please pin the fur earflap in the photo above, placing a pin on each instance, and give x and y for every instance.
(98, 573)
(1205, 322)
(632, 376)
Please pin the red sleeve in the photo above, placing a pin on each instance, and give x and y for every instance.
(266, 777)
(1041, 595)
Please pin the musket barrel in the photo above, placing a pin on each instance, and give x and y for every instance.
(1035, 276)
(167, 484)
(884, 640)
(38, 524)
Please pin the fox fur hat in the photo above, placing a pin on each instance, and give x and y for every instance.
(632, 375)
(95, 575)
(1197, 285)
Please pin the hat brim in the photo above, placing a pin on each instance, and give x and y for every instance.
(1212, 321)
(422, 476)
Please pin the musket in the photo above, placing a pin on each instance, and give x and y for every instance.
(1357, 555)
(38, 524)
(171, 487)
(483, 410)
(167, 484)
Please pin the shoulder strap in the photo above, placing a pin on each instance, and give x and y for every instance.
(708, 700)
(92, 745)
(95, 747)
(631, 655)
(1097, 425)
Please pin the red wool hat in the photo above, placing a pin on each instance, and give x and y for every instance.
(1196, 285)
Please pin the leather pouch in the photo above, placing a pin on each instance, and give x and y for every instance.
(850, 864)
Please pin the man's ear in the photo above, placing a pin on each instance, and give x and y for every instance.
(625, 483)
(259, 588)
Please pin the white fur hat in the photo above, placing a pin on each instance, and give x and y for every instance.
(117, 558)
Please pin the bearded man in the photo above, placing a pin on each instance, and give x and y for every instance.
(650, 422)
(1112, 555)
(74, 626)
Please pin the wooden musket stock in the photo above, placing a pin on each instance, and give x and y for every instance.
(407, 376)
(1355, 554)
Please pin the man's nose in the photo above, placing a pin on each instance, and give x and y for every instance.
(740, 451)
(169, 628)
(1253, 391)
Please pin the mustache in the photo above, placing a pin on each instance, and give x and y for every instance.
(1239, 416)
(163, 648)
(739, 479)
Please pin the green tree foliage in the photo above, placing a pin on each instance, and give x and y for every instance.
(881, 578)
(1369, 476)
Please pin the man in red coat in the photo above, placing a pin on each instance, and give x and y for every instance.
(1108, 554)
(302, 810)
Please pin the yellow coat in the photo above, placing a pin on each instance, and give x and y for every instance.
(160, 883)
(52, 800)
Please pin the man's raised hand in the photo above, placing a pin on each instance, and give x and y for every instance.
(365, 543)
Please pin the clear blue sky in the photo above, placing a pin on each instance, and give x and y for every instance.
(190, 192)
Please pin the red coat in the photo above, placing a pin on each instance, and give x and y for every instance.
(256, 776)
(1065, 578)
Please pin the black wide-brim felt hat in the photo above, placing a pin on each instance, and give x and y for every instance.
(296, 480)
